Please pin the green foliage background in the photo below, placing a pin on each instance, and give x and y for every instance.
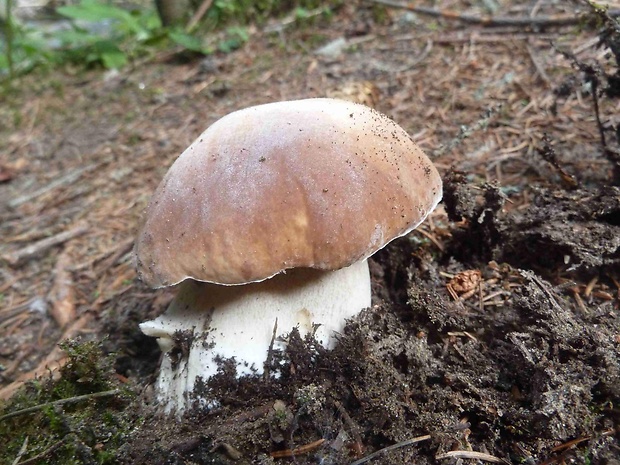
(103, 34)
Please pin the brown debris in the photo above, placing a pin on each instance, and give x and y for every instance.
(298, 450)
(6, 174)
(549, 155)
(464, 284)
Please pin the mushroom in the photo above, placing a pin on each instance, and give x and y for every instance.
(266, 221)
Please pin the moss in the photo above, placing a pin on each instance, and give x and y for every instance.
(86, 431)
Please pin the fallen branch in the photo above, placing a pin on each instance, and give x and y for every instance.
(490, 21)
(538, 65)
(478, 37)
(20, 256)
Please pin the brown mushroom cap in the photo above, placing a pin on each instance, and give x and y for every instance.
(317, 183)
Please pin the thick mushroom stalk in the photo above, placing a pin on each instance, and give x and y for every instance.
(238, 322)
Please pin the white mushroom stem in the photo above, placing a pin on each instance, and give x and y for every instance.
(238, 321)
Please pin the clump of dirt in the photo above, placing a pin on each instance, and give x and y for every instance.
(478, 209)
(514, 377)
(564, 231)
(570, 232)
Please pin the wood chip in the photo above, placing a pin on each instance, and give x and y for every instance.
(62, 294)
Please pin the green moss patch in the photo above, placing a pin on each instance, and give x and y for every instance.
(77, 418)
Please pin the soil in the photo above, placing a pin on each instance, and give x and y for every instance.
(494, 334)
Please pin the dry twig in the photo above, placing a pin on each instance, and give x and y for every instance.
(68, 400)
(574, 442)
(297, 451)
(489, 21)
(200, 12)
(45, 453)
(354, 427)
(399, 445)
(564, 448)
(20, 256)
(469, 454)
(24, 353)
(419, 59)
(65, 180)
(538, 65)
(123, 248)
(21, 452)
(549, 155)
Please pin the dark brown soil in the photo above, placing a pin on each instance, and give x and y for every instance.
(495, 330)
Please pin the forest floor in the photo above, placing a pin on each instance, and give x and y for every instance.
(494, 334)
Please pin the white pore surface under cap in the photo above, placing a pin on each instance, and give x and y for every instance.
(238, 321)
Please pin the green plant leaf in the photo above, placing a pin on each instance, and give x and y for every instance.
(89, 10)
(235, 38)
(301, 13)
(187, 41)
(108, 53)
(93, 11)
(75, 37)
(113, 59)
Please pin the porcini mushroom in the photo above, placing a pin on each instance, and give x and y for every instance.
(270, 216)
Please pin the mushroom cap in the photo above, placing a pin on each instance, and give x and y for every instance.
(316, 183)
